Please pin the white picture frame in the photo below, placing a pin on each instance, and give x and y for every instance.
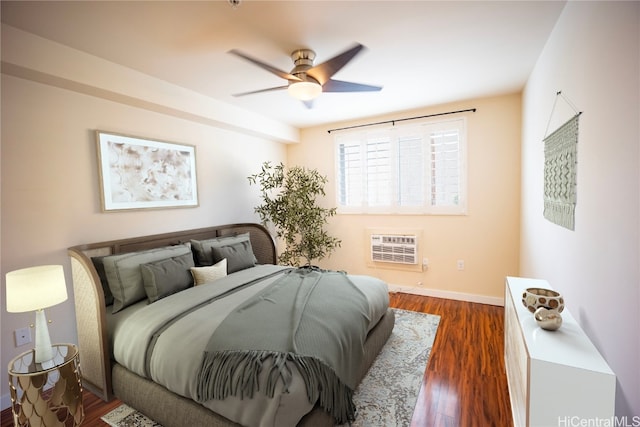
(140, 173)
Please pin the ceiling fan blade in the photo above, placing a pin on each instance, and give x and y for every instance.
(271, 69)
(342, 86)
(323, 72)
(261, 90)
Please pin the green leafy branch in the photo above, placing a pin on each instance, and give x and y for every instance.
(289, 203)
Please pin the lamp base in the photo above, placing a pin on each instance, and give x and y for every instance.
(43, 350)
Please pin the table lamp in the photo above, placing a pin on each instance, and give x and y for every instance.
(34, 289)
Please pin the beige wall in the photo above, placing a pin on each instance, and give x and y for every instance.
(50, 198)
(487, 238)
(53, 100)
(593, 57)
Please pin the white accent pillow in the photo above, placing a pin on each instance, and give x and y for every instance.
(202, 275)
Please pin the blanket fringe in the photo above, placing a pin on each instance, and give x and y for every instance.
(237, 373)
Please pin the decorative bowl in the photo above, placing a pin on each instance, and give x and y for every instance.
(547, 319)
(534, 298)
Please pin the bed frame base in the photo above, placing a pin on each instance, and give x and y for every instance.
(106, 379)
(171, 410)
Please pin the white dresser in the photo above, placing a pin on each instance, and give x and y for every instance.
(556, 378)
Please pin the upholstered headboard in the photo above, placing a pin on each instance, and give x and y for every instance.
(90, 300)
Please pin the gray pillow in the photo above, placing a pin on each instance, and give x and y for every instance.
(238, 255)
(202, 249)
(124, 273)
(166, 277)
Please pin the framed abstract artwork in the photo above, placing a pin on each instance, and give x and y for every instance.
(139, 173)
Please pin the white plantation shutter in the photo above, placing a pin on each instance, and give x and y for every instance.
(404, 169)
(351, 169)
(379, 171)
(445, 167)
(411, 171)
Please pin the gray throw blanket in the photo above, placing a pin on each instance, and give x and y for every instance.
(315, 319)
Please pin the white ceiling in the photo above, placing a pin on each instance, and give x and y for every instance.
(423, 52)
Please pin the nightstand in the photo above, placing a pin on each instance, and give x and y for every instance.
(47, 394)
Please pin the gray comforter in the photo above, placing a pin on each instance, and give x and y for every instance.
(165, 341)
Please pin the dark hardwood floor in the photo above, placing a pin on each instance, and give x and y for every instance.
(464, 383)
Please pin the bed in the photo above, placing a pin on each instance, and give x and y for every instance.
(113, 362)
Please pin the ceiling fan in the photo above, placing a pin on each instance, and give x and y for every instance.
(306, 81)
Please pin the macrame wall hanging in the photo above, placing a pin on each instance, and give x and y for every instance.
(560, 170)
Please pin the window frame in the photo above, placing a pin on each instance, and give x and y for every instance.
(424, 129)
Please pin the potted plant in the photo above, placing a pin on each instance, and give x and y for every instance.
(289, 203)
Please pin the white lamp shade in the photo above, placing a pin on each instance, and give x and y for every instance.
(304, 91)
(35, 288)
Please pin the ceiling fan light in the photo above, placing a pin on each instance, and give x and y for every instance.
(304, 91)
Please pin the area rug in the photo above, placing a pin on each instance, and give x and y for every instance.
(388, 393)
(126, 416)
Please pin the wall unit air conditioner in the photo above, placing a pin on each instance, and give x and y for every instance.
(395, 248)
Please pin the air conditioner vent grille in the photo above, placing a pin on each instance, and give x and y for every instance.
(396, 248)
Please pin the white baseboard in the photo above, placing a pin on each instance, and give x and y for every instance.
(437, 293)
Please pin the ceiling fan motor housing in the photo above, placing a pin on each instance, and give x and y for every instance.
(303, 60)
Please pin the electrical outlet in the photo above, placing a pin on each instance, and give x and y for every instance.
(23, 336)
(460, 264)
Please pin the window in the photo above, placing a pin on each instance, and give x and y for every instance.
(403, 169)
